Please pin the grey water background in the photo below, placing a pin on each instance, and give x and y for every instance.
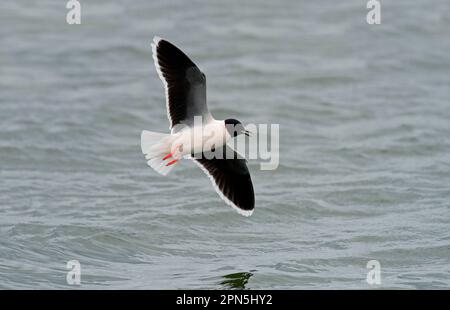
(364, 137)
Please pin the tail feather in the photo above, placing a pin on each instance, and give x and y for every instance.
(155, 146)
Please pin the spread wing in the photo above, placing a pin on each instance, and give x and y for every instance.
(231, 180)
(184, 84)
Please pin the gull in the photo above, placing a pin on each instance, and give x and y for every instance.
(185, 92)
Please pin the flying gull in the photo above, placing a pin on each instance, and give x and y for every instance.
(185, 91)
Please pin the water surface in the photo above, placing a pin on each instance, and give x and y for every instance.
(364, 137)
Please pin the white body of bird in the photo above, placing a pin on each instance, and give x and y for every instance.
(160, 147)
(198, 139)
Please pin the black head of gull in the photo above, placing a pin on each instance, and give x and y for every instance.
(235, 127)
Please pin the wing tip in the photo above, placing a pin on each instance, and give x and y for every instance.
(156, 40)
(243, 212)
(154, 44)
(246, 213)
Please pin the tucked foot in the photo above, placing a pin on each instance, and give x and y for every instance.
(172, 162)
(167, 156)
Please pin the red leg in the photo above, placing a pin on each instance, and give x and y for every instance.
(172, 162)
(167, 156)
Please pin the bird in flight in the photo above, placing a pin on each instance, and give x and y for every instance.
(204, 141)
